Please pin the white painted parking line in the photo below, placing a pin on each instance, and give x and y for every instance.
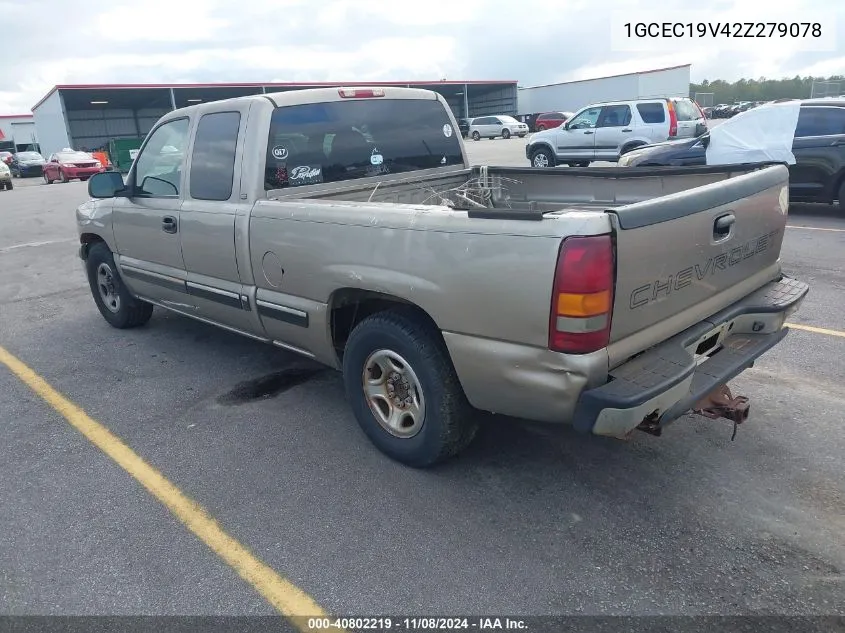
(6, 249)
(814, 228)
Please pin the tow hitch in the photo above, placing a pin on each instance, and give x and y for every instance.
(721, 403)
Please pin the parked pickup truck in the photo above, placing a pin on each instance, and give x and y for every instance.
(346, 225)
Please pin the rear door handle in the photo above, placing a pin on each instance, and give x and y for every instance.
(168, 224)
(627, 130)
(722, 225)
(588, 132)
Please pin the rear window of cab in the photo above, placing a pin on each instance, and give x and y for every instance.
(346, 140)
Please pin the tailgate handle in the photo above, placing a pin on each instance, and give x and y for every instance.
(722, 226)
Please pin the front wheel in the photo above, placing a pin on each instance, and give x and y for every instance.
(113, 300)
(404, 391)
(476, 136)
(63, 177)
(542, 157)
(506, 134)
(842, 196)
(47, 179)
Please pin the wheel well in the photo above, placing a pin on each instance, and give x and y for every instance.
(629, 146)
(87, 239)
(349, 306)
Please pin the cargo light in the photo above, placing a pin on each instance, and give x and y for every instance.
(673, 119)
(99, 102)
(360, 93)
(194, 100)
(582, 296)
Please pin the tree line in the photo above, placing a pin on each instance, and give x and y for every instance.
(762, 89)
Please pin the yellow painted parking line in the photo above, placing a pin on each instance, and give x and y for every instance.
(286, 598)
(816, 330)
(814, 228)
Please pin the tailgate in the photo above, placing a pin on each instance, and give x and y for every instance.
(683, 257)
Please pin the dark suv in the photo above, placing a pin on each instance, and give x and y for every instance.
(818, 174)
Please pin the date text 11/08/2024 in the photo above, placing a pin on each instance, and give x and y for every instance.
(400, 625)
(739, 30)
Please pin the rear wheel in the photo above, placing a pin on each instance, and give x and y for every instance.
(476, 136)
(404, 391)
(113, 300)
(506, 134)
(542, 157)
(842, 196)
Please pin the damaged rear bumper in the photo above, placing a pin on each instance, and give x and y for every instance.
(688, 371)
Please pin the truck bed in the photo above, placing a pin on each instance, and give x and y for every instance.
(521, 192)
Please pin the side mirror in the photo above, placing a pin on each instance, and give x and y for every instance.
(107, 184)
(705, 140)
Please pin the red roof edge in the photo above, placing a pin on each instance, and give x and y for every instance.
(16, 116)
(639, 72)
(310, 84)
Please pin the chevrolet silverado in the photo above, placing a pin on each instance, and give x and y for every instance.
(346, 225)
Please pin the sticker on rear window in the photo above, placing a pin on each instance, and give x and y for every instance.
(447, 130)
(280, 152)
(305, 175)
(375, 157)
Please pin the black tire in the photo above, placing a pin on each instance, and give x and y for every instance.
(47, 180)
(506, 134)
(579, 164)
(543, 157)
(842, 196)
(130, 312)
(476, 136)
(522, 136)
(10, 185)
(449, 423)
(63, 176)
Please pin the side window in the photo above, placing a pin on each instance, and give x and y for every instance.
(213, 157)
(158, 168)
(585, 119)
(651, 112)
(820, 121)
(615, 116)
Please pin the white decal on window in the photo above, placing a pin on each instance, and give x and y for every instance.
(280, 152)
(447, 130)
(375, 157)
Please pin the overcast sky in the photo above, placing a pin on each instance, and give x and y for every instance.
(534, 42)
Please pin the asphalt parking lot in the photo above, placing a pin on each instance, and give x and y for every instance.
(531, 520)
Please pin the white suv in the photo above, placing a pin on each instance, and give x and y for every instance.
(605, 131)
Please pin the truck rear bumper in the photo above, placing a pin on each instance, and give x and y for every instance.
(667, 380)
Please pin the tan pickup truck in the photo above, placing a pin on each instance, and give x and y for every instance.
(346, 225)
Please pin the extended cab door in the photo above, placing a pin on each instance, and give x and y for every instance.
(146, 223)
(575, 141)
(612, 131)
(819, 149)
(208, 215)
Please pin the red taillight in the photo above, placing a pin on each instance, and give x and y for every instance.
(360, 93)
(582, 296)
(673, 119)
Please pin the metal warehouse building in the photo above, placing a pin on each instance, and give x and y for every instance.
(89, 116)
(572, 95)
(17, 133)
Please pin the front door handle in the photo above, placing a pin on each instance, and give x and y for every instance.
(168, 224)
(588, 132)
(627, 130)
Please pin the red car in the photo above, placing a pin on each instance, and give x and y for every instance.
(6, 157)
(549, 120)
(69, 164)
